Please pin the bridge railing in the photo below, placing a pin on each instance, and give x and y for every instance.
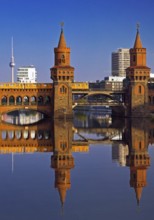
(106, 89)
(25, 85)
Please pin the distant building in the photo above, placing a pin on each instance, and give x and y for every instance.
(119, 153)
(114, 83)
(120, 61)
(27, 74)
(98, 85)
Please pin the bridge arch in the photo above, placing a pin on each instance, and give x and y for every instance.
(40, 100)
(33, 100)
(47, 100)
(25, 134)
(11, 100)
(98, 96)
(26, 100)
(18, 100)
(18, 134)
(11, 135)
(4, 100)
(33, 134)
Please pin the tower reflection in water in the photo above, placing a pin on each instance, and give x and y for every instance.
(137, 137)
(58, 138)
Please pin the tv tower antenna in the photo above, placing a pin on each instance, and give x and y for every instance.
(12, 63)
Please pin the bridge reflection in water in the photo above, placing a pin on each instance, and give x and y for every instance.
(22, 117)
(129, 141)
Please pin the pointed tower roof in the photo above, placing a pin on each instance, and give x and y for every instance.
(138, 192)
(62, 193)
(62, 42)
(138, 43)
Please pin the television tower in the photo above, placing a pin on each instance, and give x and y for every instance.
(12, 63)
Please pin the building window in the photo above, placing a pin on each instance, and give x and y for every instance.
(63, 145)
(140, 89)
(149, 99)
(11, 100)
(4, 100)
(26, 100)
(33, 100)
(47, 100)
(63, 90)
(40, 100)
(140, 145)
(19, 100)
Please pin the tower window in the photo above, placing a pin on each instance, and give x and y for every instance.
(63, 145)
(140, 89)
(63, 90)
(140, 145)
(134, 58)
(63, 58)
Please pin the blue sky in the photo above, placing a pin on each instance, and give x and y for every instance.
(93, 29)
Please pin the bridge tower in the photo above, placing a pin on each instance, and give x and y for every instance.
(137, 75)
(138, 159)
(62, 75)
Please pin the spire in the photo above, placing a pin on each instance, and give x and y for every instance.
(62, 193)
(138, 43)
(138, 192)
(62, 42)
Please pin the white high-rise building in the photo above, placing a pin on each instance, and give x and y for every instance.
(27, 74)
(120, 61)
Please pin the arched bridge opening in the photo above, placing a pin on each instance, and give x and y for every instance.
(98, 98)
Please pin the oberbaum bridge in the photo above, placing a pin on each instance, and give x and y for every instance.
(56, 99)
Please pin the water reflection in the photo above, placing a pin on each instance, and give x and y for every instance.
(128, 140)
(138, 159)
(22, 117)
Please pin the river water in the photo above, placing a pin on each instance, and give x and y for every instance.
(94, 167)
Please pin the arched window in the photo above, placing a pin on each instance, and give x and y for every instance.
(149, 99)
(40, 135)
(4, 135)
(46, 135)
(25, 134)
(140, 145)
(10, 135)
(40, 100)
(19, 100)
(4, 100)
(11, 100)
(18, 134)
(26, 100)
(47, 100)
(134, 58)
(63, 90)
(63, 145)
(33, 100)
(139, 89)
(63, 58)
(33, 134)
